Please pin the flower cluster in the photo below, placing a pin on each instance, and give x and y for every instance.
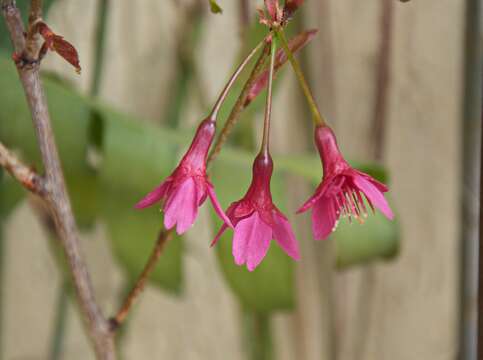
(255, 219)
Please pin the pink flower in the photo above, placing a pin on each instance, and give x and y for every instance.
(341, 190)
(188, 186)
(257, 220)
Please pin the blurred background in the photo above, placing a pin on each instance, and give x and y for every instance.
(399, 82)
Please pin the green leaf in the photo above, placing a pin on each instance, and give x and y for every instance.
(70, 115)
(271, 286)
(215, 8)
(135, 159)
(11, 193)
(355, 244)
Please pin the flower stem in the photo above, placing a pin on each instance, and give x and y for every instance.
(316, 115)
(268, 109)
(228, 86)
(238, 107)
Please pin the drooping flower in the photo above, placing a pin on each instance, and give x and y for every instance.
(341, 190)
(257, 220)
(188, 186)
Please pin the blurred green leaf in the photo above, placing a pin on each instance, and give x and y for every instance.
(135, 159)
(11, 193)
(377, 238)
(215, 8)
(271, 286)
(70, 118)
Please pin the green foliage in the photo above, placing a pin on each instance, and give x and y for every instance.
(126, 174)
(215, 8)
(133, 158)
(271, 286)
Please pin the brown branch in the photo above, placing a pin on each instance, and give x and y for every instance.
(27, 177)
(133, 295)
(239, 106)
(56, 196)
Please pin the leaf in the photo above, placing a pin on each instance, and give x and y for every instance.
(215, 8)
(291, 6)
(135, 159)
(70, 114)
(356, 244)
(11, 193)
(271, 286)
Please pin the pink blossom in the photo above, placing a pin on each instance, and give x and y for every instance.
(341, 190)
(188, 186)
(257, 220)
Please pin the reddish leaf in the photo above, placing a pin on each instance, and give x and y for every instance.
(291, 7)
(295, 44)
(57, 43)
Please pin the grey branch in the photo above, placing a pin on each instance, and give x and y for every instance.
(22, 173)
(56, 195)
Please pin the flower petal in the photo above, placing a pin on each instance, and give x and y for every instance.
(182, 207)
(374, 195)
(154, 196)
(311, 201)
(217, 206)
(324, 218)
(251, 241)
(285, 237)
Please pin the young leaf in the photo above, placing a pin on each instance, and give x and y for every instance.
(215, 8)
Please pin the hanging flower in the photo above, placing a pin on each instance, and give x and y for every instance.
(257, 220)
(341, 190)
(188, 186)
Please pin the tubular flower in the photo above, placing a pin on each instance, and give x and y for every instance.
(188, 186)
(257, 220)
(341, 190)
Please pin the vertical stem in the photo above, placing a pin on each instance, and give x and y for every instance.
(317, 116)
(258, 335)
(60, 324)
(101, 24)
(238, 107)
(238, 71)
(471, 323)
(383, 78)
(268, 108)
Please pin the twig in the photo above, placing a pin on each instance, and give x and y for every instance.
(239, 106)
(383, 78)
(56, 195)
(133, 295)
(22, 173)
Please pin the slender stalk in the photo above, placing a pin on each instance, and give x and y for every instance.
(102, 11)
(238, 107)
(56, 196)
(316, 115)
(228, 86)
(60, 324)
(133, 295)
(383, 78)
(268, 108)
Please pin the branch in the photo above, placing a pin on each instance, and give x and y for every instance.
(28, 178)
(133, 295)
(56, 195)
